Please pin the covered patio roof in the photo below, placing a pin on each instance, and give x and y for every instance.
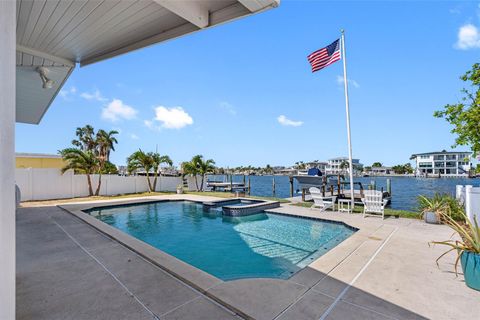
(57, 34)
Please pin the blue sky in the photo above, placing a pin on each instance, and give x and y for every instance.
(242, 93)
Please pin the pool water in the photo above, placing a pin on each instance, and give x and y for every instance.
(260, 245)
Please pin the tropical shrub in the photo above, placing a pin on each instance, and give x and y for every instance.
(468, 237)
(442, 205)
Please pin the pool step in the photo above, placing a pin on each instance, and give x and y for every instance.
(272, 249)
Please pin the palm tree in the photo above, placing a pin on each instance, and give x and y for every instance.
(344, 165)
(82, 162)
(98, 146)
(268, 169)
(86, 140)
(190, 168)
(106, 143)
(197, 166)
(141, 160)
(157, 160)
(207, 166)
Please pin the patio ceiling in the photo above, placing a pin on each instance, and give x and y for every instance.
(57, 34)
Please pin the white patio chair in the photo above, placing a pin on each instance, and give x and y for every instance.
(321, 202)
(373, 203)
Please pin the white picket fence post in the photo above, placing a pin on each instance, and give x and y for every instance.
(470, 197)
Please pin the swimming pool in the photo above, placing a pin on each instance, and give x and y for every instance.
(259, 245)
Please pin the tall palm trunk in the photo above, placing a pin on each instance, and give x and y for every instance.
(155, 181)
(90, 190)
(149, 182)
(97, 192)
(196, 182)
(203, 179)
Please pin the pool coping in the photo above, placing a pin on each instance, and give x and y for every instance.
(197, 278)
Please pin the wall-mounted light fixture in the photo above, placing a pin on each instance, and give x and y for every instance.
(47, 83)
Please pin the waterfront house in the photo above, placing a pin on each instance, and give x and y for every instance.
(339, 165)
(380, 171)
(286, 171)
(442, 163)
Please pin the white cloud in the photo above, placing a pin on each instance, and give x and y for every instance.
(169, 118)
(149, 124)
(455, 11)
(284, 121)
(350, 81)
(468, 37)
(227, 107)
(133, 136)
(96, 95)
(66, 93)
(117, 110)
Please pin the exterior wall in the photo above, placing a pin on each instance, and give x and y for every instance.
(30, 162)
(333, 165)
(192, 185)
(46, 184)
(7, 163)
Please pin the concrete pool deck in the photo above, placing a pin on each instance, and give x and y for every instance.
(386, 270)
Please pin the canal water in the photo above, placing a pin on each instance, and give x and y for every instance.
(404, 189)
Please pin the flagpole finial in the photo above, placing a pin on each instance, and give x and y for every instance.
(342, 31)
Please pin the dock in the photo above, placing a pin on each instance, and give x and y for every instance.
(228, 186)
(339, 188)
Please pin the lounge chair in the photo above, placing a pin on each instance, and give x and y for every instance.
(373, 203)
(321, 202)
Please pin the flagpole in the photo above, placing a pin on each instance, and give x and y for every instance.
(347, 109)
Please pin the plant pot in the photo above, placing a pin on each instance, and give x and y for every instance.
(431, 217)
(471, 269)
(179, 191)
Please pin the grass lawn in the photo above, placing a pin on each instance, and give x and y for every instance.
(359, 209)
(41, 203)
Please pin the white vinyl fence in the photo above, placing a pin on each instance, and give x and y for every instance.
(45, 184)
(192, 185)
(470, 196)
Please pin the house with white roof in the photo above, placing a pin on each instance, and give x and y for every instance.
(339, 165)
(443, 163)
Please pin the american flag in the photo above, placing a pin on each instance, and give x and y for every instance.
(325, 56)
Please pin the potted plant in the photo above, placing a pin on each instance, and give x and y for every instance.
(179, 189)
(432, 207)
(467, 246)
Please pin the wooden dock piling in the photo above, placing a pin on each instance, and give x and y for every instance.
(291, 186)
(273, 186)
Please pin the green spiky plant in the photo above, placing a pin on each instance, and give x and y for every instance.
(435, 204)
(441, 203)
(468, 232)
